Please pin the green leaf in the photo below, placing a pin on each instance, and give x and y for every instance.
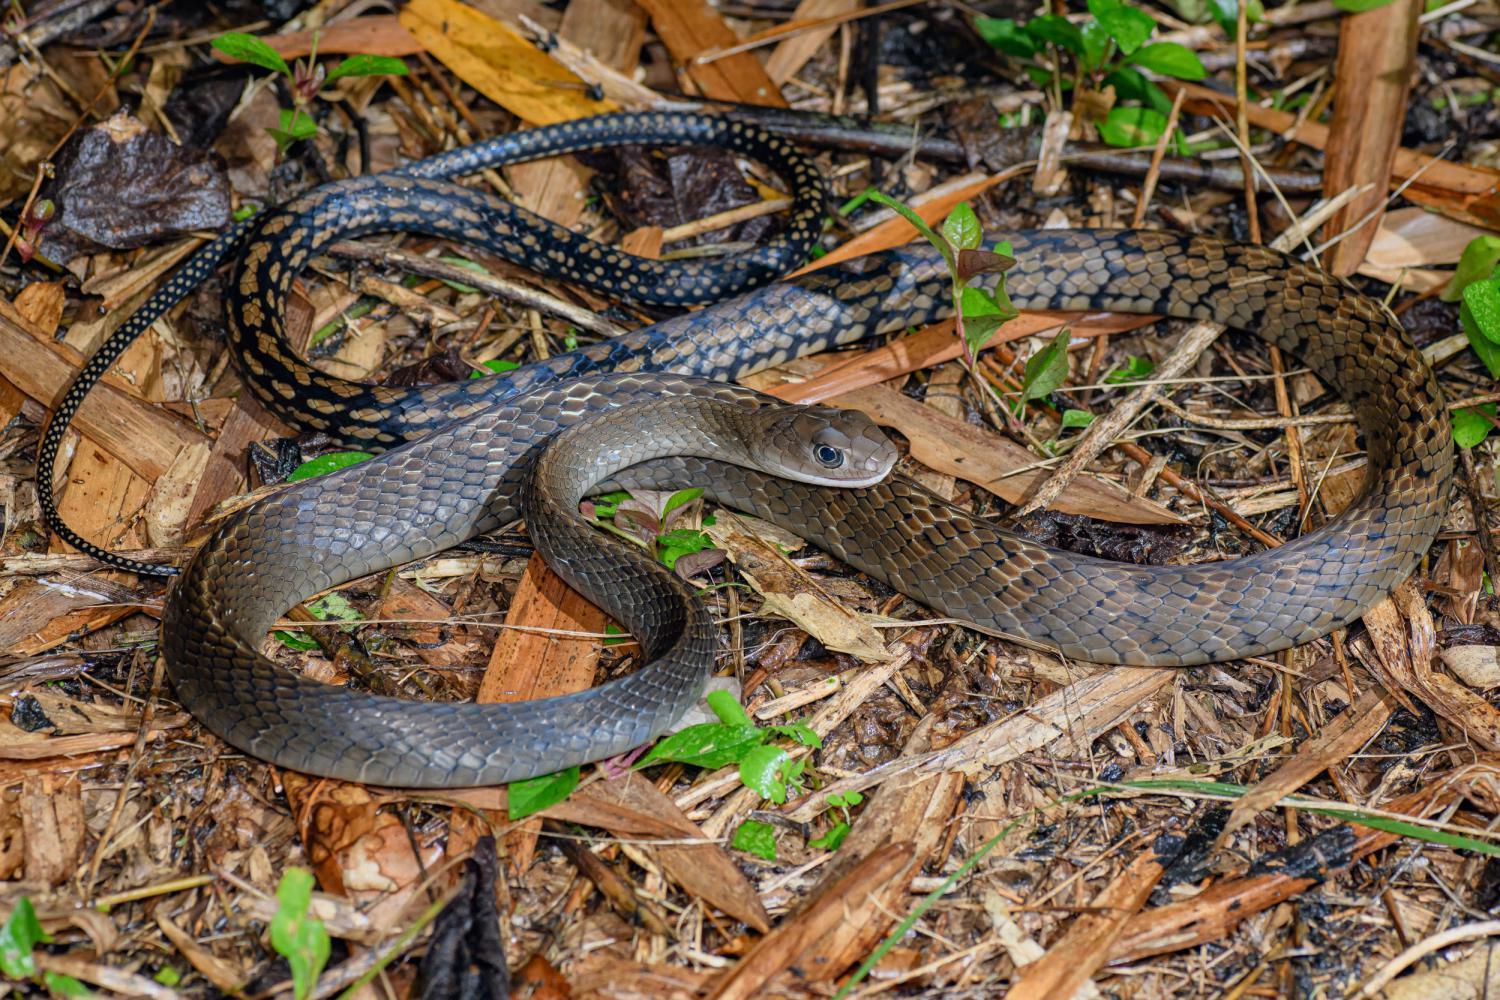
(248, 48)
(324, 464)
(1359, 6)
(1131, 127)
(757, 838)
(294, 640)
(522, 798)
(366, 65)
(1047, 368)
(611, 629)
(605, 504)
(497, 368)
(761, 772)
(679, 542)
(334, 608)
(1487, 349)
(21, 933)
(1076, 418)
(983, 315)
(297, 124)
(1170, 59)
(679, 499)
(1057, 30)
(1096, 45)
(799, 733)
(961, 228)
(1470, 427)
(65, 986)
(1128, 26)
(1004, 34)
(833, 838)
(1478, 262)
(728, 709)
(167, 976)
(846, 800)
(296, 935)
(467, 265)
(917, 222)
(1131, 86)
(1482, 300)
(1133, 370)
(709, 745)
(1226, 12)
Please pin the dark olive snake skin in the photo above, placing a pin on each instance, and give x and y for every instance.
(459, 479)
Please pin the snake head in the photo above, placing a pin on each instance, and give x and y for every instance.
(825, 446)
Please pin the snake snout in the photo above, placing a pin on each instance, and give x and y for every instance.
(829, 447)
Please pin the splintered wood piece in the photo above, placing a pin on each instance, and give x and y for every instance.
(791, 55)
(224, 474)
(851, 898)
(530, 660)
(689, 28)
(1214, 913)
(1333, 745)
(990, 461)
(1085, 947)
(101, 499)
(53, 825)
(703, 870)
(1372, 77)
(914, 809)
(138, 434)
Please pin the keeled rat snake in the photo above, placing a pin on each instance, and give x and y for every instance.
(460, 479)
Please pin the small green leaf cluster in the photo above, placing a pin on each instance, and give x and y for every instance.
(1476, 286)
(1109, 49)
(297, 936)
(841, 827)
(305, 81)
(979, 311)
(667, 532)
(19, 936)
(329, 608)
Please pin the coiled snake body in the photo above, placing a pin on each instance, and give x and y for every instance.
(459, 479)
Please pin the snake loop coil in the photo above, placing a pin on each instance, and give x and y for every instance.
(459, 454)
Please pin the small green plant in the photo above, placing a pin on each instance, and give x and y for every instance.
(841, 827)
(734, 739)
(522, 798)
(305, 81)
(296, 934)
(329, 608)
(978, 311)
(1133, 370)
(757, 838)
(1108, 50)
(663, 524)
(19, 936)
(1476, 287)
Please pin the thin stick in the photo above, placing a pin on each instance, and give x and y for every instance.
(1148, 187)
(793, 28)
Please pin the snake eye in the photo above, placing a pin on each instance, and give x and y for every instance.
(828, 456)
